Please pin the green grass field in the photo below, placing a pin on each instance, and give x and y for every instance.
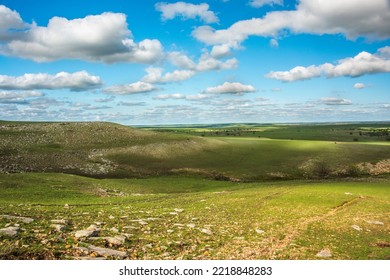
(172, 194)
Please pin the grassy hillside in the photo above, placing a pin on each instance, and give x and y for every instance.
(191, 218)
(172, 194)
(110, 150)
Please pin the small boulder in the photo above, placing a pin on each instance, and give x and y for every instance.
(60, 221)
(356, 227)
(375, 223)
(117, 240)
(58, 227)
(325, 253)
(10, 232)
(207, 231)
(86, 233)
(107, 252)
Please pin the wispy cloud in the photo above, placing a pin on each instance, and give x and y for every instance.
(138, 87)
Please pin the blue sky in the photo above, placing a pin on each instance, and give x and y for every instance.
(211, 61)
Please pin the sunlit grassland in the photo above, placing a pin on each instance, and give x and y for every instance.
(298, 218)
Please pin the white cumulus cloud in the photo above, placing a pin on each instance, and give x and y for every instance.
(186, 11)
(362, 64)
(359, 86)
(138, 87)
(77, 81)
(353, 18)
(232, 88)
(104, 38)
(9, 19)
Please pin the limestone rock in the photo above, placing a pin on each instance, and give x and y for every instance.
(356, 227)
(60, 221)
(86, 233)
(207, 231)
(375, 223)
(107, 252)
(21, 219)
(58, 227)
(9, 231)
(325, 253)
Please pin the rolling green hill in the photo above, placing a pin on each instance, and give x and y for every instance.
(111, 150)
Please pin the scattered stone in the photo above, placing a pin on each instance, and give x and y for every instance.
(124, 217)
(152, 219)
(207, 231)
(375, 223)
(117, 240)
(114, 229)
(178, 225)
(179, 210)
(22, 219)
(111, 217)
(191, 225)
(325, 253)
(348, 193)
(356, 227)
(107, 252)
(173, 213)
(239, 238)
(259, 231)
(10, 231)
(66, 206)
(170, 231)
(86, 233)
(61, 222)
(58, 227)
(93, 227)
(129, 227)
(143, 223)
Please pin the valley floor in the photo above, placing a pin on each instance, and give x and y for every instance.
(179, 217)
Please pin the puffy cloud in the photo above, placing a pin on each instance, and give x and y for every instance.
(359, 86)
(186, 11)
(155, 75)
(362, 64)
(220, 51)
(9, 20)
(353, 18)
(205, 63)
(104, 38)
(77, 81)
(335, 101)
(137, 87)
(296, 74)
(261, 3)
(232, 88)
